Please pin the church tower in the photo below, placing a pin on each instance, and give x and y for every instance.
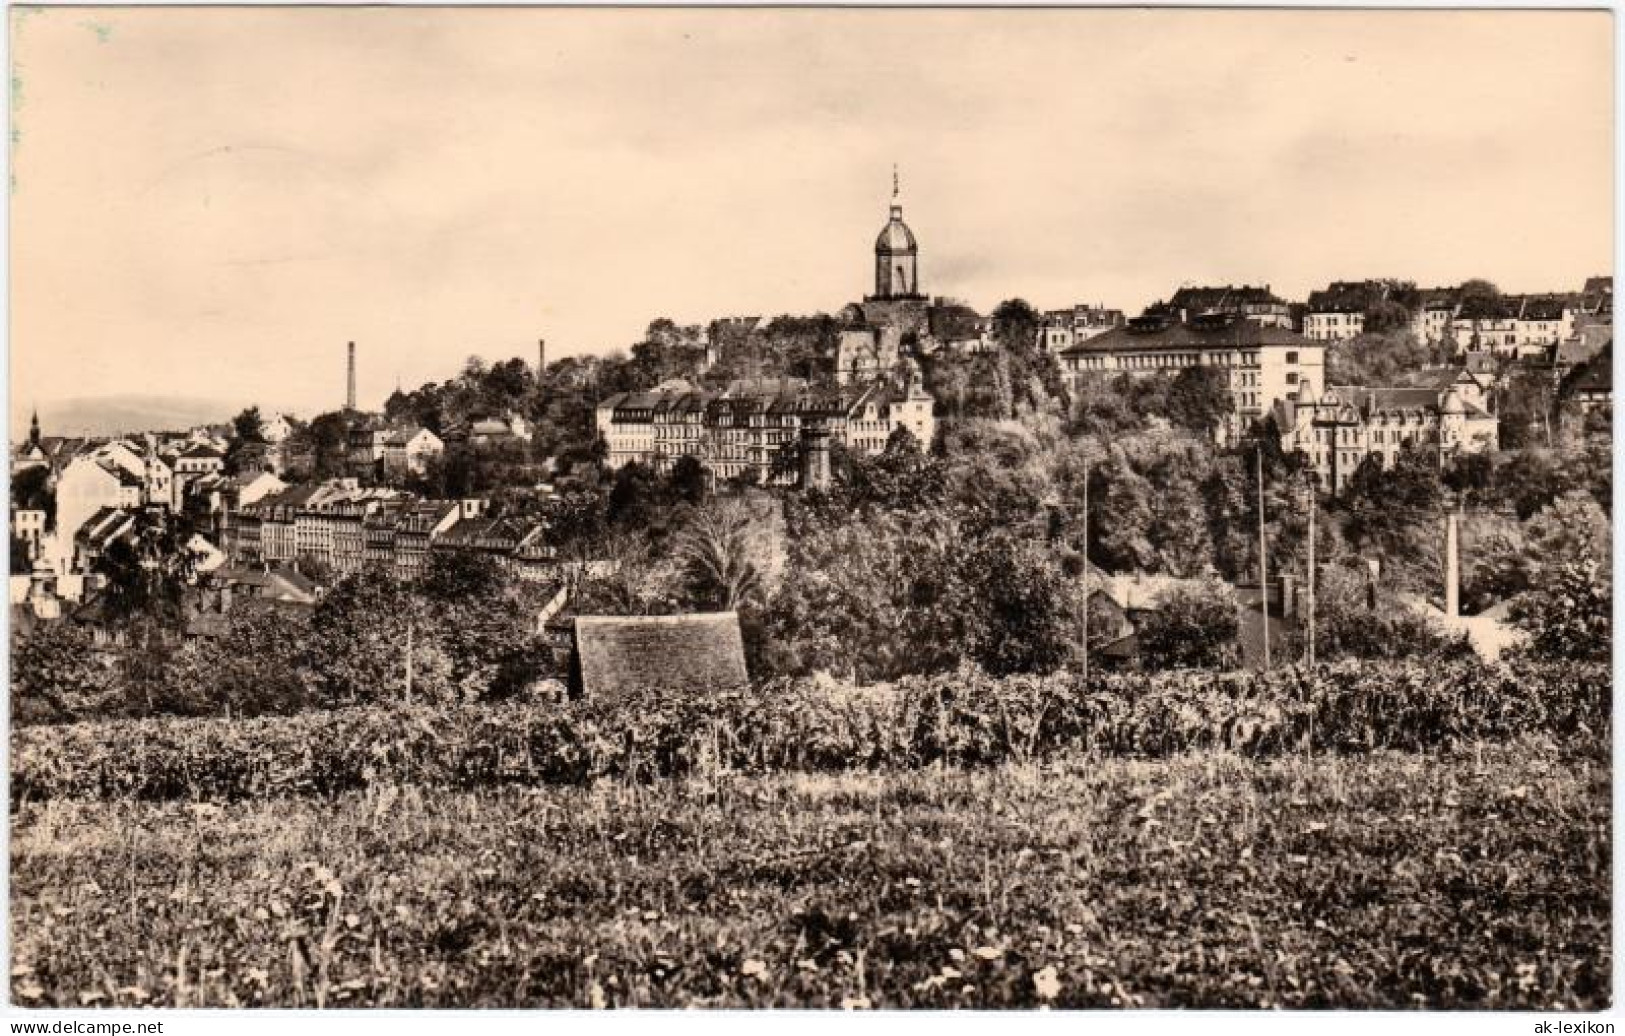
(896, 254)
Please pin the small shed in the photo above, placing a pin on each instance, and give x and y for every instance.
(692, 654)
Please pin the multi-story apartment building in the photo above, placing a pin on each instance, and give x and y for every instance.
(200, 459)
(757, 426)
(1542, 321)
(1256, 303)
(1338, 429)
(1338, 313)
(346, 528)
(1064, 328)
(1487, 324)
(1436, 308)
(420, 525)
(517, 543)
(379, 530)
(278, 515)
(87, 485)
(408, 451)
(1262, 363)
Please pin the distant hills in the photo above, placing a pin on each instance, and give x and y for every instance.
(109, 415)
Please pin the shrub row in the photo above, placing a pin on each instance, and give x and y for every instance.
(964, 718)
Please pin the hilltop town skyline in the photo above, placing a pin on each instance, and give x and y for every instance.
(237, 247)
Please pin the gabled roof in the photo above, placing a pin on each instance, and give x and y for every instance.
(404, 436)
(673, 654)
(287, 585)
(105, 526)
(1441, 378)
(477, 531)
(203, 451)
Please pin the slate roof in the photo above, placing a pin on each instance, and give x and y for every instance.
(1147, 334)
(1397, 400)
(1576, 351)
(1440, 378)
(1543, 307)
(1346, 297)
(282, 584)
(1439, 298)
(672, 654)
(1198, 300)
(1486, 308)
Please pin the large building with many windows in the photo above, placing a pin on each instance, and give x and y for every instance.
(1336, 430)
(1261, 362)
(757, 426)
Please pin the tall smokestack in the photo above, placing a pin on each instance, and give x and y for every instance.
(1452, 568)
(541, 358)
(349, 398)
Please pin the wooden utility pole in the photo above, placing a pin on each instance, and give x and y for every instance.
(1309, 590)
(409, 661)
(1086, 569)
(1263, 564)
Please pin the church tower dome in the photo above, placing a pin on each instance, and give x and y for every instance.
(896, 254)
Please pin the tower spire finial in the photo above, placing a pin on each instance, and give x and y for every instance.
(896, 187)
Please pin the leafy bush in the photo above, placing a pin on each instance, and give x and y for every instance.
(1191, 628)
(964, 718)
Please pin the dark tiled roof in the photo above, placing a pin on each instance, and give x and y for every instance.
(676, 654)
(1155, 334)
(1441, 378)
(1543, 307)
(1439, 298)
(1486, 308)
(1576, 351)
(1197, 300)
(1347, 297)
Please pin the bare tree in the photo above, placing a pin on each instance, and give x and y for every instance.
(727, 555)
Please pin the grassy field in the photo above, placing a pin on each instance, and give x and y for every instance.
(1387, 880)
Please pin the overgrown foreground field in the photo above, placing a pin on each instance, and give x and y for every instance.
(1473, 878)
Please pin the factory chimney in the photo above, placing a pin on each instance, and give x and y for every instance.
(349, 398)
(541, 358)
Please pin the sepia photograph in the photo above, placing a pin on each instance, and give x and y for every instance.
(894, 509)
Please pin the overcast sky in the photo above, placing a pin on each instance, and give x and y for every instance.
(211, 202)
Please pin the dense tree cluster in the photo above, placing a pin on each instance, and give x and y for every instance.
(974, 549)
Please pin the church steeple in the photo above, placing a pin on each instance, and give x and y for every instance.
(896, 253)
(33, 429)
